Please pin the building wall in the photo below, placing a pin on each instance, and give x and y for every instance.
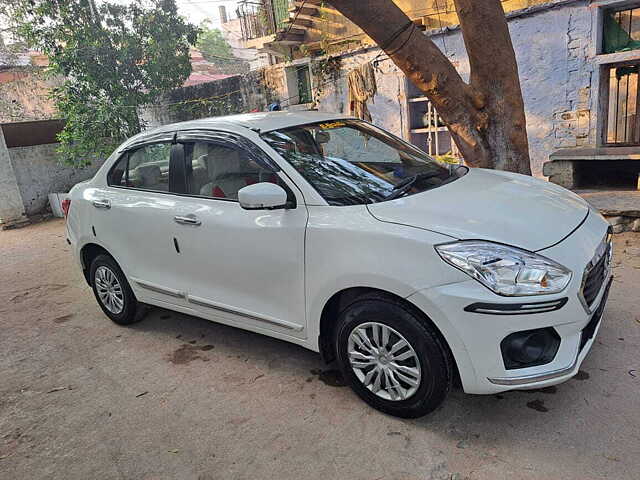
(555, 55)
(275, 81)
(232, 32)
(24, 94)
(11, 207)
(331, 26)
(443, 12)
(28, 174)
(554, 48)
(237, 94)
(38, 173)
(387, 107)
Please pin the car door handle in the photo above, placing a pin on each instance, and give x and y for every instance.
(187, 220)
(102, 203)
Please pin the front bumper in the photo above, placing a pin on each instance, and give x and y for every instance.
(474, 338)
(587, 336)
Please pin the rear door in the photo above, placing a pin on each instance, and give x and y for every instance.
(133, 220)
(239, 266)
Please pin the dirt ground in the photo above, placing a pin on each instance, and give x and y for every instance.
(177, 397)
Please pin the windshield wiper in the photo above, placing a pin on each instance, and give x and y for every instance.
(349, 199)
(402, 187)
(405, 185)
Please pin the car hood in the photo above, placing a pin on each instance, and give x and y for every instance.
(484, 204)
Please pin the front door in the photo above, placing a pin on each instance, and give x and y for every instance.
(240, 266)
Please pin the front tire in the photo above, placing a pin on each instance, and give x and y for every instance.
(393, 359)
(113, 293)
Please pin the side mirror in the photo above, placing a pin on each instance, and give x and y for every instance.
(262, 196)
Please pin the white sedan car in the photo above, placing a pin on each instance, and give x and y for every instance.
(328, 232)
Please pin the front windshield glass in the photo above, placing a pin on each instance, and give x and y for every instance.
(350, 162)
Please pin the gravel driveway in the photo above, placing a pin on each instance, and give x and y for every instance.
(177, 397)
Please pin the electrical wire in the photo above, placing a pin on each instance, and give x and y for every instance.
(387, 43)
(444, 42)
(287, 100)
(295, 17)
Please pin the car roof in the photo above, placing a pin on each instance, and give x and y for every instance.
(260, 121)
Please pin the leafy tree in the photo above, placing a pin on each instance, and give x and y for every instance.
(213, 46)
(486, 114)
(115, 58)
(9, 45)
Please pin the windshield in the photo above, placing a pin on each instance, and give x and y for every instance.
(350, 162)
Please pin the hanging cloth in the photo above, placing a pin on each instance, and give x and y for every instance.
(616, 37)
(362, 88)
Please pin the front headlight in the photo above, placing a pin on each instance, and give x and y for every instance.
(506, 270)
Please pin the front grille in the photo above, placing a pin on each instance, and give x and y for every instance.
(595, 276)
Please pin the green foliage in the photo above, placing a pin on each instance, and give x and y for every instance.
(10, 43)
(114, 58)
(447, 158)
(218, 105)
(325, 70)
(213, 46)
(225, 97)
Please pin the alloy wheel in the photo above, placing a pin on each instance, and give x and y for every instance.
(109, 290)
(384, 361)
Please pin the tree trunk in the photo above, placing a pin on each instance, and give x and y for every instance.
(485, 115)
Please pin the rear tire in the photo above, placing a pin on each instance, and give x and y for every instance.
(409, 381)
(113, 293)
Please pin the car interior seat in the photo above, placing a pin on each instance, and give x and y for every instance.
(225, 172)
(199, 174)
(150, 176)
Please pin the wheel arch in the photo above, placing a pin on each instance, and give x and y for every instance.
(88, 252)
(343, 298)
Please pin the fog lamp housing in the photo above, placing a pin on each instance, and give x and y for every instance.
(529, 348)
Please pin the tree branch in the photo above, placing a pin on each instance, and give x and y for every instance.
(485, 116)
(426, 66)
(415, 54)
(495, 80)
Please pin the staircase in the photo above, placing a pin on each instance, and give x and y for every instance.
(301, 16)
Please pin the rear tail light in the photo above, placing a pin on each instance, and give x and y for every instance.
(66, 203)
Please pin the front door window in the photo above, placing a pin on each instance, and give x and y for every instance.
(221, 171)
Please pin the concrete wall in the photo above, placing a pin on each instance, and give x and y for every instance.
(555, 56)
(28, 175)
(24, 94)
(232, 32)
(38, 174)
(555, 52)
(11, 207)
(553, 46)
(387, 108)
(238, 94)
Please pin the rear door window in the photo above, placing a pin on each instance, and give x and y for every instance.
(146, 168)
